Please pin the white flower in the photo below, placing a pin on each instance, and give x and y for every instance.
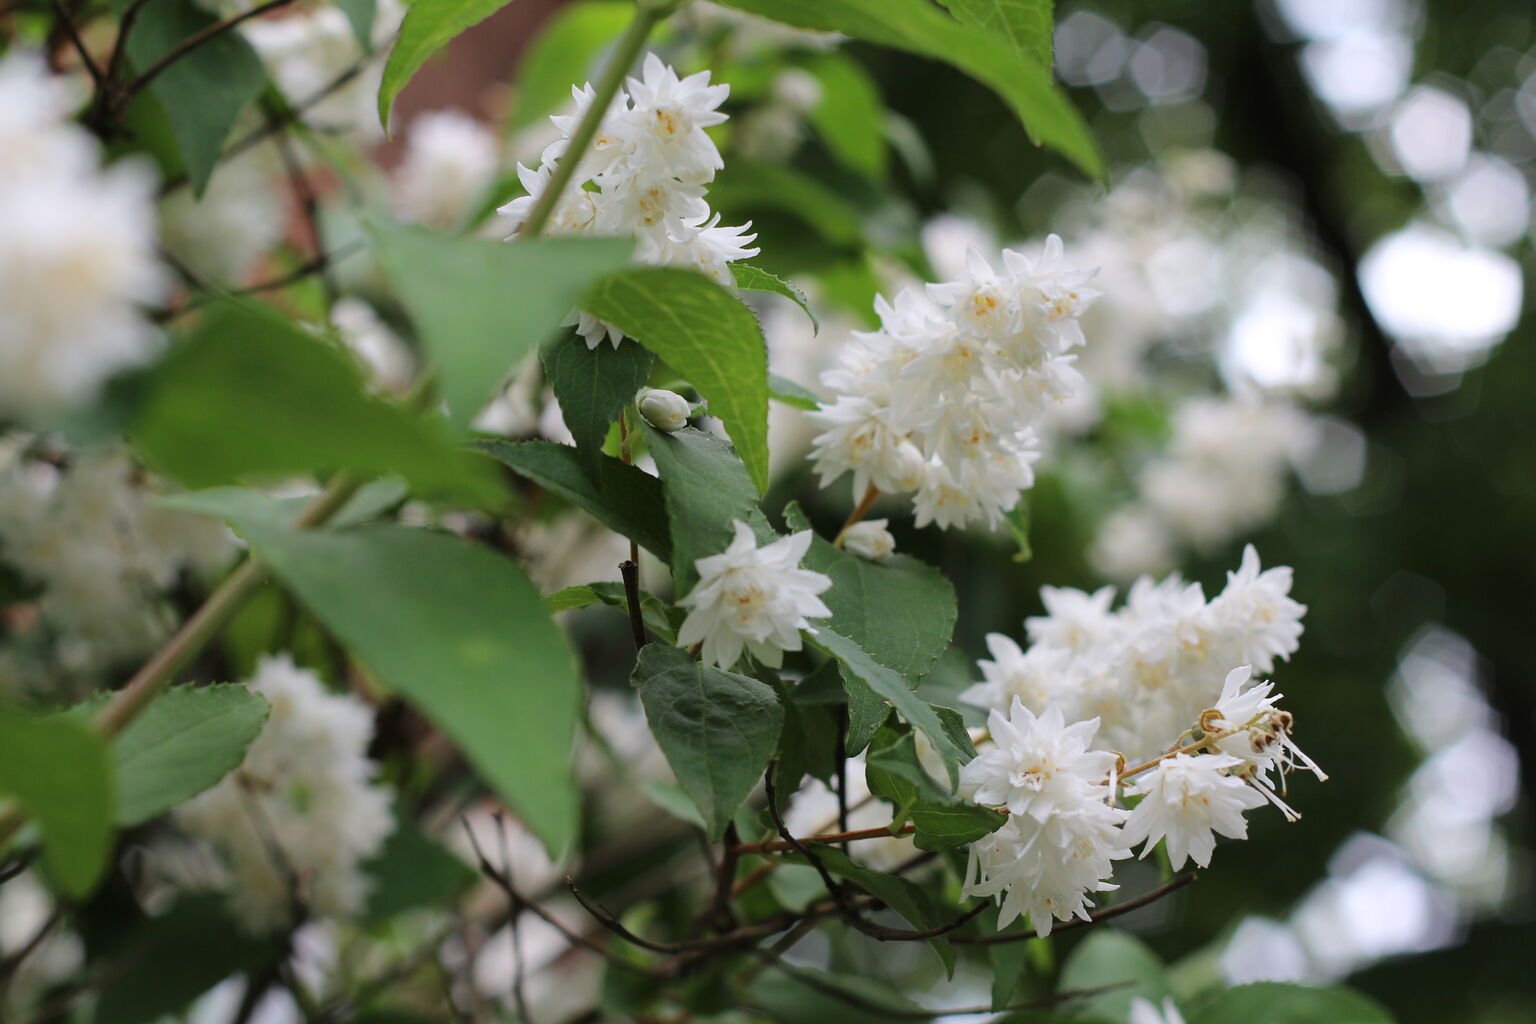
(238, 220)
(1037, 765)
(1190, 800)
(450, 162)
(753, 598)
(1260, 734)
(664, 410)
(946, 399)
(77, 252)
(870, 539)
(1144, 1011)
(383, 355)
(643, 176)
(1047, 869)
(303, 808)
(1258, 609)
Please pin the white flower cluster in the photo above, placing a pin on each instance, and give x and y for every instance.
(77, 250)
(1224, 473)
(647, 167)
(753, 598)
(1097, 687)
(303, 810)
(945, 399)
(104, 553)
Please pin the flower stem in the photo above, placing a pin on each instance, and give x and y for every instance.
(629, 47)
(871, 494)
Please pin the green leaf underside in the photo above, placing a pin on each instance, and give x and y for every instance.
(248, 393)
(563, 54)
(759, 280)
(1270, 1002)
(183, 743)
(61, 772)
(623, 498)
(704, 333)
(890, 687)
(918, 27)
(705, 487)
(460, 633)
(593, 386)
(1025, 24)
(946, 826)
(427, 28)
(205, 90)
(243, 503)
(717, 729)
(652, 610)
(481, 306)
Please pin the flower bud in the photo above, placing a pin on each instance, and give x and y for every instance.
(870, 539)
(664, 410)
(904, 467)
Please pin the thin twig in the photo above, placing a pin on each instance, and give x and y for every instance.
(839, 752)
(791, 843)
(67, 22)
(1108, 913)
(720, 915)
(310, 204)
(120, 47)
(726, 940)
(631, 575)
(871, 494)
(194, 41)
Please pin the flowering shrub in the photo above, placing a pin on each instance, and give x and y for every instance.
(297, 518)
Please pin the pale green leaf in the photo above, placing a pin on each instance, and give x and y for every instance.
(849, 119)
(918, 27)
(459, 632)
(60, 771)
(1110, 957)
(248, 394)
(1026, 24)
(704, 333)
(428, 26)
(1269, 1002)
(757, 279)
(184, 742)
(481, 306)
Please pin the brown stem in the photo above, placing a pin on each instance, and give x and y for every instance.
(871, 495)
(631, 574)
(67, 22)
(792, 843)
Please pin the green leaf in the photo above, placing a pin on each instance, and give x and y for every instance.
(717, 729)
(858, 665)
(413, 870)
(782, 389)
(759, 280)
(460, 633)
(652, 610)
(184, 742)
(902, 611)
(1270, 1002)
(60, 772)
(745, 186)
(946, 826)
(1110, 957)
(705, 486)
(248, 393)
(1025, 24)
(1007, 962)
(563, 55)
(481, 306)
(192, 947)
(917, 27)
(675, 801)
(1017, 521)
(594, 386)
(360, 15)
(230, 503)
(623, 498)
(205, 90)
(427, 28)
(849, 119)
(704, 333)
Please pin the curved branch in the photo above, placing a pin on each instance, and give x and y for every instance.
(1106, 914)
